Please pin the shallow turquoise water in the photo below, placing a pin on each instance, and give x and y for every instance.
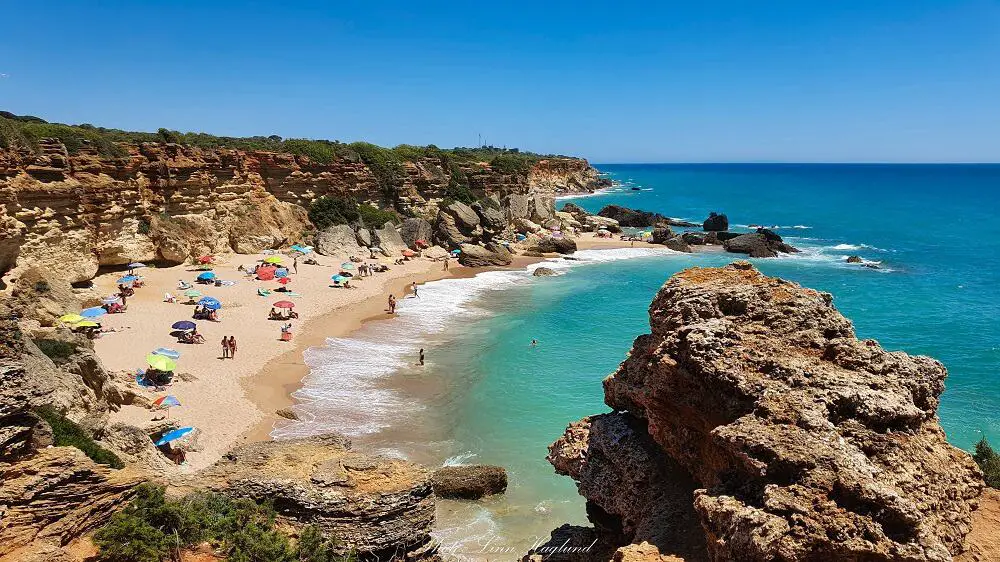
(487, 396)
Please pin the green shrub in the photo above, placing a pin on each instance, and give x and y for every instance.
(68, 434)
(373, 217)
(151, 528)
(144, 226)
(56, 350)
(460, 193)
(989, 462)
(514, 164)
(319, 151)
(42, 286)
(385, 164)
(129, 538)
(328, 211)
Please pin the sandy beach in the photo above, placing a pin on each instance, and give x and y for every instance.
(235, 400)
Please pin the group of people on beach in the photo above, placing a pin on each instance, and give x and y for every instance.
(229, 347)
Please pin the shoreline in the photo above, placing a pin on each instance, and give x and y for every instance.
(272, 387)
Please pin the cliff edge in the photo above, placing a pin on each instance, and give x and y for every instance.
(751, 424)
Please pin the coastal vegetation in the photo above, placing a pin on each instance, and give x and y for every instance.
(328, 211)
(56, 350)
(153, 528)
(989, 462)
(65, 433)
(387, 164)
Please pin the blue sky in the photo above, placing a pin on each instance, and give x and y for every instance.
(612, 81)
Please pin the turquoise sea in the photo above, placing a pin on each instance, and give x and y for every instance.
(486, 396)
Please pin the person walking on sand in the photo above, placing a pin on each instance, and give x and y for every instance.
(421, 356)
(295, 265)
(446, 264)
(414, 287)
(225, 348)
(232, 347)
(392, 304)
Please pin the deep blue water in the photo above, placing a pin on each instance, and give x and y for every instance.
(486, 396)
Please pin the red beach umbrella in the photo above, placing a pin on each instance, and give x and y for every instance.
(408, 253)
(206, 259)
(284, 280)
(284, 304)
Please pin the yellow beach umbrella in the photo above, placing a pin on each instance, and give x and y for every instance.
(647, 234)
(87, 324)
(272, 259)
(71, 318)
(160, 362)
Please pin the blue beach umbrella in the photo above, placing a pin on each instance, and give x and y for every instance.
(206, 276)
(111, 299)
(456, 252)
(339, 278)
(347, 265)
(184, 325)
(210, 303)
(93, 312)
(174, 435)
(281, 272)
(167, 352)
(127, 279)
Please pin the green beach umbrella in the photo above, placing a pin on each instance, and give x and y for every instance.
(193, 293)
(161, 362)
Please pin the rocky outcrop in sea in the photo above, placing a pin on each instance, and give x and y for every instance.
(752, 424)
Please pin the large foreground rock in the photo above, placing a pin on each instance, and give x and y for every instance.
(549, 244)
(374, 506)
(339, 240)
(469, 482)
(490, 256)
(801, 442)
(414, 229)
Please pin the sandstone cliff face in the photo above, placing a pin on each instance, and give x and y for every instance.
(169, 202)
(800, 441)
(562, 176)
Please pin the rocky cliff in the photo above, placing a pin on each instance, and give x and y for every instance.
(751, 424)
(167, 201)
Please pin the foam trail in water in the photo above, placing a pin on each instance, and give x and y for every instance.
(345, 391)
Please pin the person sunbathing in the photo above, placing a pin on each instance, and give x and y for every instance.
(311, 261)
(181, 284)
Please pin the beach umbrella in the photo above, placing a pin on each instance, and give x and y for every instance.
(302, 249)
(136, 265)
(71, 318)
(206, 276)
(281, 272)
(184, 325)
(93, 312)
(646, 234)
(272, 259)
(285, 280)
(210, 303)
(339, 278)
(456, 252)
(127, 279)
(86, 324)
(347, 265)
(161, 362)
(167, 352)
(167, 401)
(174, 435)
(409, 253)
(192, 293)
(111, 299)
(284, 304)
(420, 242)
(206, 259)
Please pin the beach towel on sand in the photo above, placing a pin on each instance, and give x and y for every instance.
(263, 292)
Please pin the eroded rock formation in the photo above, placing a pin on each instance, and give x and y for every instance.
(169, 202)
(374, 506)
(752, 408)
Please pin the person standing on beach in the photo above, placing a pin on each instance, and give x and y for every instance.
(232, 347)
(392, 304)
(414, 287)
(421, 356)
(446, 264)
(295, 265)
(225, 347)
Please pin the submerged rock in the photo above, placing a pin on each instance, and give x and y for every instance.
(853, 259)
(469, 482)
(796, 441)
(543, 272)
(762, 244)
